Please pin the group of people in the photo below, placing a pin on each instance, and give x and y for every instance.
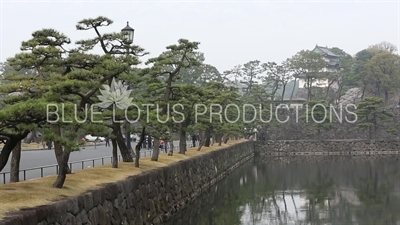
(195, 138)
(147, 143)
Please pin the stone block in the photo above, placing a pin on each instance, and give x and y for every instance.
(88, 201)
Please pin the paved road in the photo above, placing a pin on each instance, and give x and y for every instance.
(39, 158)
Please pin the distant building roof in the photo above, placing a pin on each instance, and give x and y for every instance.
(325, 51)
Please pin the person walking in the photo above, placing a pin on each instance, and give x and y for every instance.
(194, 139)
(149, 142)
(107, 141)
(166, 146)
(161, 146)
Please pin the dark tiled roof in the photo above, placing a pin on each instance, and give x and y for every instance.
(326, 51)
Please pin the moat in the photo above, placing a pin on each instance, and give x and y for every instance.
(302, 190)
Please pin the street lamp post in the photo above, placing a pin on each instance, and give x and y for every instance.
(129, 34)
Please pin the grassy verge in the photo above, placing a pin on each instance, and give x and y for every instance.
(31, 193)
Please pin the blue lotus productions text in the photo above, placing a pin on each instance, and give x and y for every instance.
(202, 113)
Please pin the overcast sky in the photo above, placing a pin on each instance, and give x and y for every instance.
(230, 33)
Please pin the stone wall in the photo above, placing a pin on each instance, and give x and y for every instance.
(147, 198)
(296, 127)
(327, 147)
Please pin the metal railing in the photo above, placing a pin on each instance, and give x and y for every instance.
(83, 164)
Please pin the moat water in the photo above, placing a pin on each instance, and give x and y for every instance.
(302, 190)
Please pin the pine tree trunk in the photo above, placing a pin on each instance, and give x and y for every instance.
(309, 86)
(171, 143)
(63, 170)
(137, 155)
(126, 156)
(283, 91)
(156, 149)
(15, 161)
(202, 137)
(220, 141)
(11, 142)
(171, 148)
(206, 139)
(291, 94)
(226, 139)
(62, 156)
(339, 94)
(114, 152)
(59, 155)
(182, 140)
(139, 146)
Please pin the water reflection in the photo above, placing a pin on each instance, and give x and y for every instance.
(319, 190)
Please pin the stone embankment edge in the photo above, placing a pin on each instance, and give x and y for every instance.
(350, 147)
(104, 205)
(185, 202)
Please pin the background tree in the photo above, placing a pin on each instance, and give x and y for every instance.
(385, 46)
(199, 74)
(371, 114)
(317, 116)
(261, 117)
(39, 55)
(248, 74)
(345, 76)
(361, 58)
(310, 66)
(277, 77)
(352, 96)
(188, 96)
(383, 74)
(117, 45)
(164, 71)
(75, 77)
